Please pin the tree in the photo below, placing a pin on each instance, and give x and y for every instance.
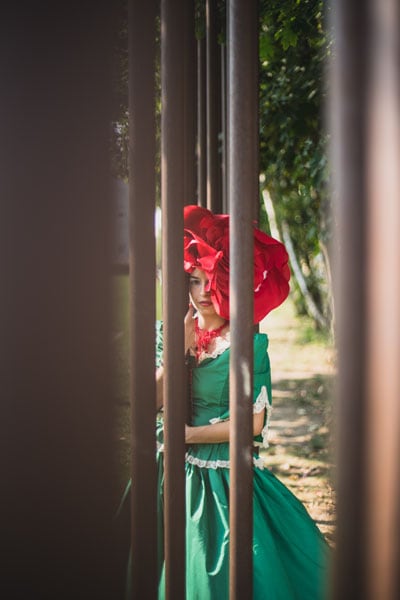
(294, 46)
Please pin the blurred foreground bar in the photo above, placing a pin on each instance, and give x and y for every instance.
(242, 170)
(173, 51)
(365, 125)
(383, 312)
(57, 471)
(142, 184)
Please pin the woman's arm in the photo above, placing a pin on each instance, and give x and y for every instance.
(218, 432)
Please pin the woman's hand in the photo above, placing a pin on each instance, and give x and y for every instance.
(190, 343)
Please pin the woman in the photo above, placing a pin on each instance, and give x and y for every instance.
(289, 552)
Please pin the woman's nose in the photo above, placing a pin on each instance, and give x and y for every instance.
(205, 288)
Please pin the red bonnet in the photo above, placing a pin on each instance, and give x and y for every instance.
(206, 247)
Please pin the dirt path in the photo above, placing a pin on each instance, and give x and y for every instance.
(303, 371)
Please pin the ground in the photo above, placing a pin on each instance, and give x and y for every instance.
(301, 427)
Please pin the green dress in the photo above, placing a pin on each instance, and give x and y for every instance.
(290, 555)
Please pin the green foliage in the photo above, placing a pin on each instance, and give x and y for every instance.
(120, 117)
(294, 47)
(119, 126)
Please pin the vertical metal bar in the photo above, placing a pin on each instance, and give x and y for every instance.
(383, 373)
(224, 182)
(201, 123)
(142, 151)
(56, 426)
(190, 81)
(172, 162)
(243, 188)
(213, 108)
(349, 80)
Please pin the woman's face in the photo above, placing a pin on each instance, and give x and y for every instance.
(199, 296)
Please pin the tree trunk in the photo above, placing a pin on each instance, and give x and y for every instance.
(311, 307)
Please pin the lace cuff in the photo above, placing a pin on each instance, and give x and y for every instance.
(262, 402)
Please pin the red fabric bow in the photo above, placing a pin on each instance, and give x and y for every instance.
(206, 247)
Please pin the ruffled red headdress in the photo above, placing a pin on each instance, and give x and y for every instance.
(206, 247)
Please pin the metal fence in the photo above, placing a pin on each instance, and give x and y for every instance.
(57, 471)
(177, 160)
(365, 117)
(57, 424)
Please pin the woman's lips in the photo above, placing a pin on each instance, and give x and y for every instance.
(205, 303)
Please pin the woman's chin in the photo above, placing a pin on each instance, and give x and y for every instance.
(206, 310)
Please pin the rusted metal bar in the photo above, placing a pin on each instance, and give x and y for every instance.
(172, 190)
(142, 152)
(213, 108)
(349, 84)
(242, 189)
(223, 142)
(383, 311)
(190, 82)
(201, 123)
(56, 461)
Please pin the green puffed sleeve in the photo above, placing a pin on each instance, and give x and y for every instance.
(262, 394)
(159, 343)
(262, 368)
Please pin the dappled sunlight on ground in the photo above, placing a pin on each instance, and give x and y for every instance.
(301, 428)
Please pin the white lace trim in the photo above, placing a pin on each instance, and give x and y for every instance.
(258, 461)
(208, 464)
(262, 402)
(221, 344)
(218, 420)
(219, 464)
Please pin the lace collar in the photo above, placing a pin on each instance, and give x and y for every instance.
(219, 345)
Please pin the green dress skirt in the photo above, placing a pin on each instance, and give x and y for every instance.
(290, 555)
